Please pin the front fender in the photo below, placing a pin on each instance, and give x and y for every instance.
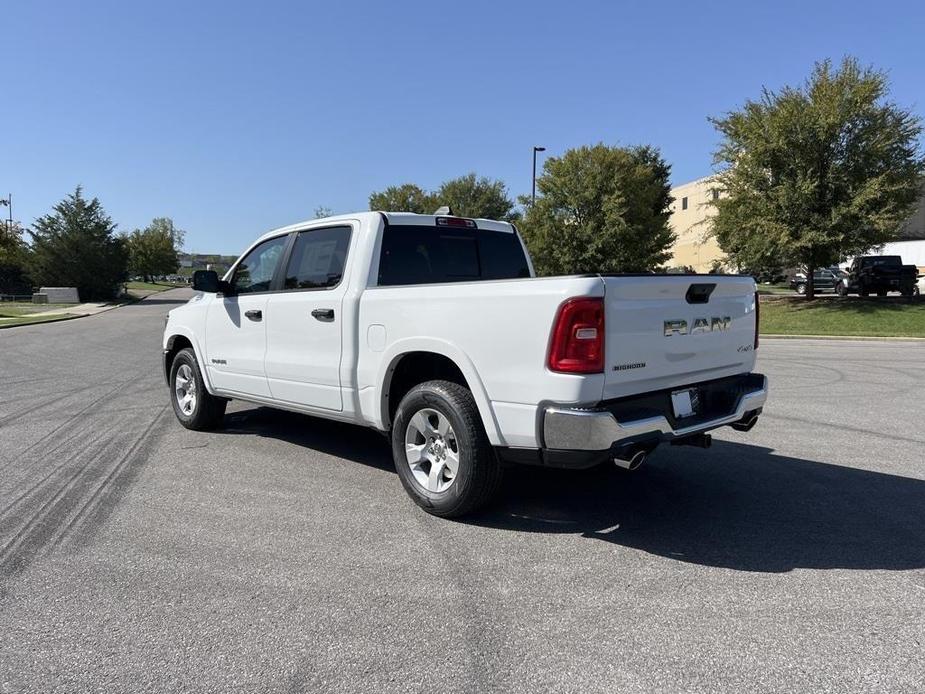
(171, 334)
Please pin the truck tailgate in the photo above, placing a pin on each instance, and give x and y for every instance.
(671, 330)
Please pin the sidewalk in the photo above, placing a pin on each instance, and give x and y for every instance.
(69, 311)
(78, 309)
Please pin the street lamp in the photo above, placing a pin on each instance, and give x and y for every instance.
(533, 195)
(8, 203)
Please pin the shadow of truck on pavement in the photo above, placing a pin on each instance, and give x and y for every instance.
(735, 506)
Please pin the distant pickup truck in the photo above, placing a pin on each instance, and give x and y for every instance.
(434, 330)
(878, 274)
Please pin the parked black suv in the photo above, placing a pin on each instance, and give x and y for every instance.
(824, 279)
(878, 274)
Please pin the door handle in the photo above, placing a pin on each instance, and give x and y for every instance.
(255, 315)
(324, 314)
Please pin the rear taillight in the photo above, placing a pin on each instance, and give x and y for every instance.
(577, 344)
(757, 318)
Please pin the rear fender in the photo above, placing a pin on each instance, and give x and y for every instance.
(393, 355)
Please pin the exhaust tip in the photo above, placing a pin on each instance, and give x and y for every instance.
(746, 423)
(631, 462)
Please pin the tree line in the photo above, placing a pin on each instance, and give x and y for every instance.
(805, 176)
(76, 245)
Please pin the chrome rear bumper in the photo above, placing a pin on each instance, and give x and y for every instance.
(577, 429)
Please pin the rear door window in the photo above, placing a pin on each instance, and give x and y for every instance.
(318, 258)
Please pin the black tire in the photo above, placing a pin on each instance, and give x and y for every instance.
(916, 291)
(801, 289)
(478, 476)
(208, 410)
(881, 292)
(864, 292)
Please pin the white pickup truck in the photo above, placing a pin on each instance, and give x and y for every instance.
(434, 329)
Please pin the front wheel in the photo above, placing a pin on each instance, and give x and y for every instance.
(441, 452)
(801, 289)
(194, 407)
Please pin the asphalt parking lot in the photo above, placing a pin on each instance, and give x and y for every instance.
(281, 554)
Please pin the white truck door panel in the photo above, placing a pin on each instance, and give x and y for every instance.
(305, 322)
(236, 344)
(303, 350)
(236, 333)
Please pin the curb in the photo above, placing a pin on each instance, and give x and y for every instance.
(861, 338)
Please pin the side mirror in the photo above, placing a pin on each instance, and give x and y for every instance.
(206, 281)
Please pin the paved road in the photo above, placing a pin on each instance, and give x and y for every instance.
(282, 554)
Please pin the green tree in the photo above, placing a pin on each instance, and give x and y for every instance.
(154, 250)
(816, 173)
(76, 246)
(13, 257)
(600, 209)
(472, 196)
(467, 196)
(407, 197)
(321, 212)
(12, 246)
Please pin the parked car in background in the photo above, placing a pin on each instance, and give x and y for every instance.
(824, 280)
(878, 274)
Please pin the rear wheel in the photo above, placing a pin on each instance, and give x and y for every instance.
(881, 292)
(841, 289)
(194, 407)
(441, 452)
(801, 289)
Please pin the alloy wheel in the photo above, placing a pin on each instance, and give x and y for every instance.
(432, 450)
(185, 390)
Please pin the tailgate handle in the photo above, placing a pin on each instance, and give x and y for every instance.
(699, 293)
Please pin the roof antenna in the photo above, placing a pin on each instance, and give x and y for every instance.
(445, 210)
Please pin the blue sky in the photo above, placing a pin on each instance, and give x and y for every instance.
(233, 118)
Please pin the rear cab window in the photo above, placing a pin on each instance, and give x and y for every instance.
(425, 254)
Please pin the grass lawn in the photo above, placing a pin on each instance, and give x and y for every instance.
(26, 320)
(153, 286)
(12, 310)
(849, 316)
(776, 289)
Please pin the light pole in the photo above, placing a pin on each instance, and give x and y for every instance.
(9, 203)
(533, 195)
